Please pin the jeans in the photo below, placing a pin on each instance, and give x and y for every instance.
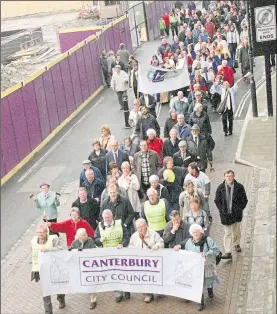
(174, 29)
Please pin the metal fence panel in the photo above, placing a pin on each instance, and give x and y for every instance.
(50, 99)
(32, 115)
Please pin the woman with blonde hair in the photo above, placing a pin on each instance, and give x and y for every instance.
(106, 138)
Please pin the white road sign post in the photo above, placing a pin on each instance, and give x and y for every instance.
(265, 22)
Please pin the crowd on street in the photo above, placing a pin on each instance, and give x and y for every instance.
(149, 189)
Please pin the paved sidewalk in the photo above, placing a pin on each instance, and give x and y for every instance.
(20, 295)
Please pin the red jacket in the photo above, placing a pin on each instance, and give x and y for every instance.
(210, 28)
(69, 228)
(227, 73)
(156, 145)
(166, 20)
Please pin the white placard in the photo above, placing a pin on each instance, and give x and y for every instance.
(265, 22)
(179, 274)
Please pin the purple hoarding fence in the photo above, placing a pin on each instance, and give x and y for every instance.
(33, 113)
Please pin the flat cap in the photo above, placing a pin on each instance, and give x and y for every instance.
(195, 127)
(87, 161)
(182, 144)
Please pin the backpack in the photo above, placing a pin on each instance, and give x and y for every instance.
(217, 258)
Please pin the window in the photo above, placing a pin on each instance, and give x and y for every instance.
(111, 2)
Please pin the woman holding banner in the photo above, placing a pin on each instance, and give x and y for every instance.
(207, 247)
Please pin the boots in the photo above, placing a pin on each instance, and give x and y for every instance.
(61, 299)
(210, 292)
(201, 305)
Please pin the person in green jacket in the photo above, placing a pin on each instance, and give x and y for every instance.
(173, 18)
(162, 27)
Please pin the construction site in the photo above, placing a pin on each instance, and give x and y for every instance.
(30, 42)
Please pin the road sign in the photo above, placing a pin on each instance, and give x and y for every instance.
(265, 23)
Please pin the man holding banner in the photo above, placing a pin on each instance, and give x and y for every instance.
(146, 239)
(112, 233)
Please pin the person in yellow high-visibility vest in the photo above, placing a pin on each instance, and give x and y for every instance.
(155, 211)
(112, 233)
(44, 242)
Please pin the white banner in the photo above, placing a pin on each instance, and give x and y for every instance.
(179, 274)
(152, 80)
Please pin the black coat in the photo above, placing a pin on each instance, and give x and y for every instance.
(180, 235)
(145, 124)
(169, 124)
(179, 162)
(202, 153)
(203, 122)
(169, 149)
(239, 202)
(89, 210)
(176, 187)
(99, 161)
(114, 63)
(121, 157)
(121, 209)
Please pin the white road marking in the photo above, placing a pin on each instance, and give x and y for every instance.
(29, 171)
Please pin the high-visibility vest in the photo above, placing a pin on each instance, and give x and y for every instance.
(113, 235)
(155, 215)
(48, 245)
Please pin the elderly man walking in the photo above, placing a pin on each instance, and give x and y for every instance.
(44, 242)
(112, 233)
(155, 211)
(120, 84)
(231, 199)
(146, 239)
(182, 128)
(180, 104)
(83, 242)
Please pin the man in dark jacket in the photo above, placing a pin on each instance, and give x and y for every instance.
(182, 158)
(244, 58)
(116, 155)
(124, 56)
(174, 188)
(171, 144)
(120, 207)
(199, 149)
(170, 122)
(182, 128)
(89, 208)
(149, 102)
(93, 185)
(104, 67)
(117, 62)
(87, 165)
(201, 118)
(176, 230)
(231, 199)
(146, 122)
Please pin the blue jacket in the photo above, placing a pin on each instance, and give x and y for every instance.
(48, 205)
(97, 174)
(175, 46)
(95, 188)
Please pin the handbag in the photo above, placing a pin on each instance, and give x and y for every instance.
(217, 257)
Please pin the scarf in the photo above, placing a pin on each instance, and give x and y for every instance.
(200, 242)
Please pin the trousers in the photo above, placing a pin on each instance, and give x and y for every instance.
(232, 236)
(48, 304)
(227, 118)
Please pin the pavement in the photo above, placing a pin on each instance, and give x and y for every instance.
(60, 164)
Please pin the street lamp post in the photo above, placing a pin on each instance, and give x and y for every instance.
(252, 80)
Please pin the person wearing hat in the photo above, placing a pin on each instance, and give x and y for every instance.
(199, 148)
(182, 158)
(155, 211)
(172, 177)
(88, 165)
(47, 202)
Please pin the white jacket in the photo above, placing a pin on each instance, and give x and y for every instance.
(120, 81)
(151, 238)
(232, 91)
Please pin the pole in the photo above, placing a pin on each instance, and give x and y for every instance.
(268, 85)
(252, 80)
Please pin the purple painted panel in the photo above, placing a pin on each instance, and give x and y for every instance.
(8, 143)
(16, 107)
(50, 99)
(82, 73)
(117, 40)
(89, 68)
(32, 115)
(110, 38)
(3, 168)
(67, 83)
(59, 92)
(69, 40)
(75, 80)
(95, 63)
(102, 43)
(122, 32)
(42, 107)
(128, 39)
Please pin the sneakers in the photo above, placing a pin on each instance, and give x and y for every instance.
(93, 305)
(238, 248)
(226, 256)
(148, 298)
